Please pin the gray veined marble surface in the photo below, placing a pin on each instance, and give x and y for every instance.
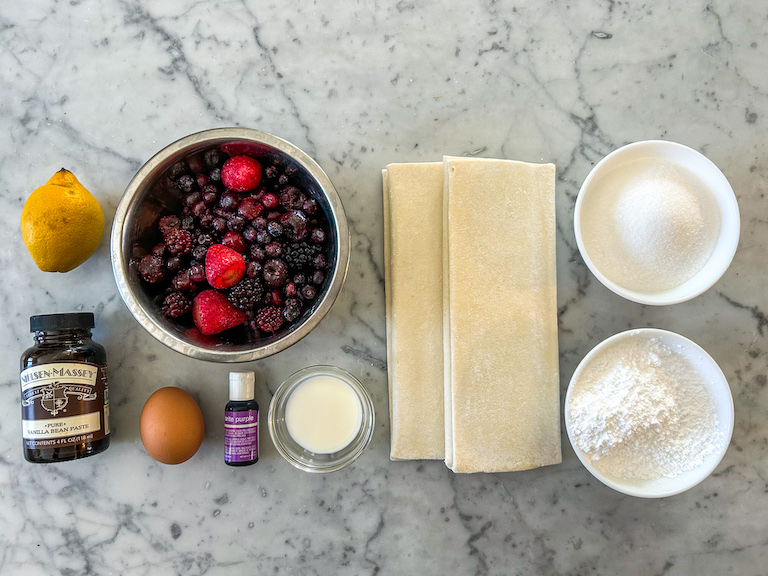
(98, 86)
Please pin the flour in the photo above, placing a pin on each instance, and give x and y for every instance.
(650, 225)
(641, 411)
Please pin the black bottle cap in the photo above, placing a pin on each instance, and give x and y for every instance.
(71, 321)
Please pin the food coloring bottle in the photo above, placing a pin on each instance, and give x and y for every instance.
(241, 421)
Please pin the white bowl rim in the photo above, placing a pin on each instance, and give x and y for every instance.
(657, 299)
(704, 471)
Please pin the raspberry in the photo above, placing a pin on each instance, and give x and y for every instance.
(176, 305)
(179, 242)
(269, 319)
(152, 268)
(245, 294)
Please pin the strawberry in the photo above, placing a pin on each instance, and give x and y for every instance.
(224, 267)
(241, 173)
(213, 313)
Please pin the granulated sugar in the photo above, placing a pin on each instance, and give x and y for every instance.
(640, 411)
(650, 225)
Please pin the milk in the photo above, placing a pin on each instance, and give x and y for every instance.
(323, 414)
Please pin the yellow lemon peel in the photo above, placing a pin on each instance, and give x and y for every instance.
(61, 224)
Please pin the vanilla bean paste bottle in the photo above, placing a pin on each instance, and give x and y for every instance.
(64, 392)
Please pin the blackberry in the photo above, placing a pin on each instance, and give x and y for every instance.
(179, 242)
(299, 279)
(269, 319)
(270, 173)
(299, 256)
(213, 158)
(152, 268)
(282, 179)
(176, 305)
(245, 294)
(275, 273)
(168, 223)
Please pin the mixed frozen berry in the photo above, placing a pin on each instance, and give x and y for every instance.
(247, 248)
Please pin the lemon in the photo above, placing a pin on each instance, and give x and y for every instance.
(61, 224)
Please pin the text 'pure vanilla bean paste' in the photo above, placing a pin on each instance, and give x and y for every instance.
(64, 391)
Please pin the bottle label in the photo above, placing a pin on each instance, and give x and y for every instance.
(64, 403)
(241, 436)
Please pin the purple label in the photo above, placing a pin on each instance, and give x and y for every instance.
(241, 436)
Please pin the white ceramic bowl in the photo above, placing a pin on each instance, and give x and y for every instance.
(709, 174)
(717, 386)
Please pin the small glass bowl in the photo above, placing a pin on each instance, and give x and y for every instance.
(299, 456)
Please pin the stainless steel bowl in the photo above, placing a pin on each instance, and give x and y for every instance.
(150, 195)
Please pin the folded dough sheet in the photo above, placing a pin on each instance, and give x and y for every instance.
(413, 206)
(502, 396)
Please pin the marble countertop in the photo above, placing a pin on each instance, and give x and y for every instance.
(100, 86)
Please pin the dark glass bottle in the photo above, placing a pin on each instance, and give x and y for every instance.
(241, 421)
(64, 391)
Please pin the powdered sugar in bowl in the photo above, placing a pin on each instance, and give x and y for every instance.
(649, 413)
(657, 222)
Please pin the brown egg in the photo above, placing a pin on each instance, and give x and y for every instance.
(172, 426)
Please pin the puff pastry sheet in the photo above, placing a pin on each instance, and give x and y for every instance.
(501, 352)
(413, 203)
